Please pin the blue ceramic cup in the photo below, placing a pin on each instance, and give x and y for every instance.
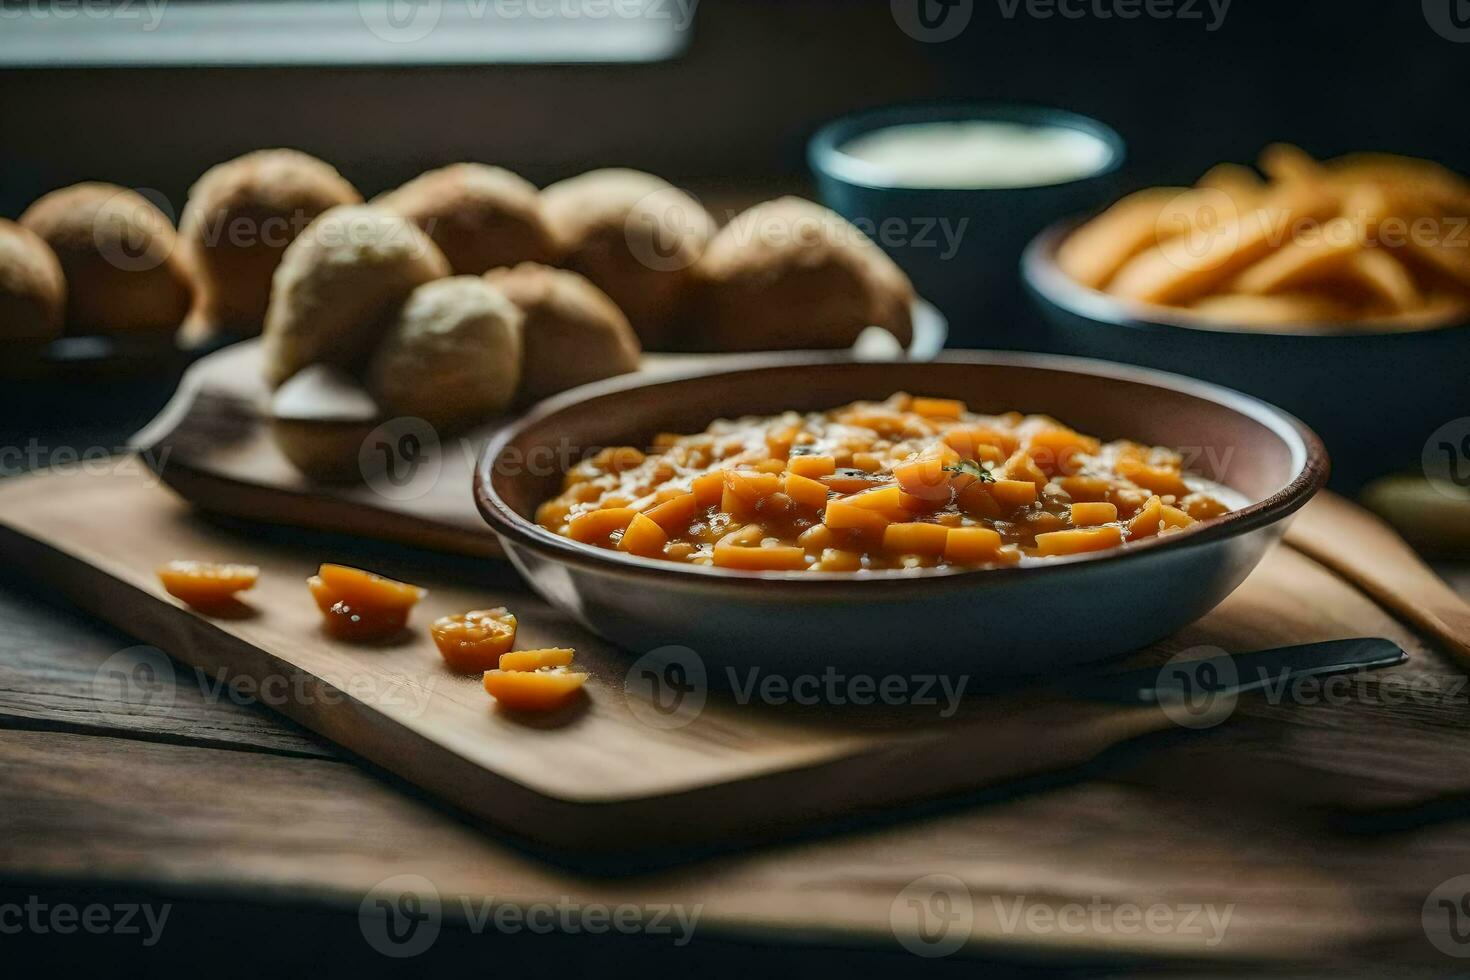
(961, 246)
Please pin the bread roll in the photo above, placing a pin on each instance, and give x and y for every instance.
(452, 355)
(480, 217)
(240, 216)
(636, 237)
(118, 253)
(790, 274)
(573, 333)
(320, 419)
(32, 290)
(339, 283)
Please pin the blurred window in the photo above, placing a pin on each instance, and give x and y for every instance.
(65, 33)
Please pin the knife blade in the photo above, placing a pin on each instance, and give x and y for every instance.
(1229, 674)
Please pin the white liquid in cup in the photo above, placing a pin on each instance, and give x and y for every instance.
(976, 154)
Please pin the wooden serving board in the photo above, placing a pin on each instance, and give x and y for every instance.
(600, 776)
(212, 444)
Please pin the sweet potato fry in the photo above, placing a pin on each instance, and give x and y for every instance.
(1241, 183)
(1386, 278)
(1095, 251)
(1302, 261)
(1285, 162)
(1178, 270)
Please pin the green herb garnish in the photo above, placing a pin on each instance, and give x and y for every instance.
(972, 468)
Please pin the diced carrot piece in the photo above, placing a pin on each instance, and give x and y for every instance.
(674, 514)
(976, 501)
(1011, 494)
(815, 538)
(914, 538)
(472, 642)
(851, 481)
(806, 492)
(867, 462)
(966, 545)
(917, 505)
(938, 408)
(1058, 451)
(553, 512)
(750, 485)
(1089, 514)
(643, 537)
(1086, 488)
(533, 690)
(708, 488)
(205, 584)
(1130, 500)
(1201, 506)
(924, 474)
(358, 618)
(1040, 522)
(779, 442)
(536, 659)
(615, 459)
(886, 499)
(354, 585)
(981, 442)
(779, 558)
(1148, 519)
(1022, 467)
(842, 515)
(344, 621)
(1175, 518)
(811, 466)
(839, 560)
(1079, 540)
(1159, 479)
(596, 525)
(732, 503)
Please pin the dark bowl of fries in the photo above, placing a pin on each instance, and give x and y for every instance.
(1338, 290)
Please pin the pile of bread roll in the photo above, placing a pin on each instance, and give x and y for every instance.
(452, 298)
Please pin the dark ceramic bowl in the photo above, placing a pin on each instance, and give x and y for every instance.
(988, 622)
(1374, 397)
(959, 246)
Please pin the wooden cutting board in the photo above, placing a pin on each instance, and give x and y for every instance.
(212, 444)
(603, 775)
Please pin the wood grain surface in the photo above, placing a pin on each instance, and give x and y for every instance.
(1277, 813)
(585, 778)
(1366, 551)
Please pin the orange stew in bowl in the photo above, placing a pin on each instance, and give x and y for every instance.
(904, 483)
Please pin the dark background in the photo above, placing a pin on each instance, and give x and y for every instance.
(758, 77)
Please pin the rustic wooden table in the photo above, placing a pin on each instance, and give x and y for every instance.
(1329, 824)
